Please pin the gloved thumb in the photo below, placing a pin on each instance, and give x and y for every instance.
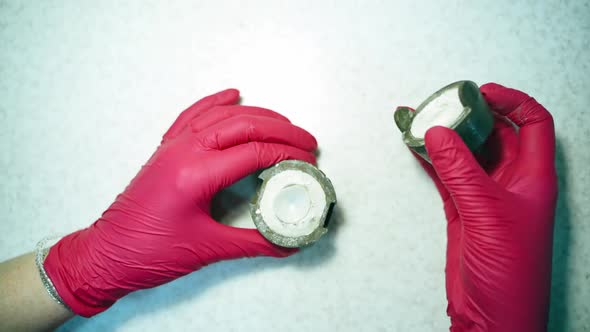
(457, 168)
(246, 242)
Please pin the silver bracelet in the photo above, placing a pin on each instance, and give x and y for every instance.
(41, 253)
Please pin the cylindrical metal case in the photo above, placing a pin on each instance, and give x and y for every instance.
(303, 222)
(474, 125)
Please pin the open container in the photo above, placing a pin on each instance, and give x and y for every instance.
(459, 106)
(294, 203)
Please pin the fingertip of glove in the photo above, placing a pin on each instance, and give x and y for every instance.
(443, 143)
(314, 145)
(490, 87)
(503, 99)
(313, 159)
(224, 97)
(314, 156)
(438, 135)
(230, 94)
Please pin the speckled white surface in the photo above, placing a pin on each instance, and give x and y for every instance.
(87, 88)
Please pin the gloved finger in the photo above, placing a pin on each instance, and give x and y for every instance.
(501, 148)
(537, 133)
(242, 160)
(225, 97)
(457, 168)
(244, 242)
(241, 129)
(505, 139)
(219, 113)
(444, 193)
(448, 204)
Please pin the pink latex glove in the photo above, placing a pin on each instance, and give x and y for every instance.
(160, 227)
(500, 217)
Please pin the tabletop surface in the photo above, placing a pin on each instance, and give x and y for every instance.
(87, 89)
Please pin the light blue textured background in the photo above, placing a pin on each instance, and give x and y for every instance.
(88, 87)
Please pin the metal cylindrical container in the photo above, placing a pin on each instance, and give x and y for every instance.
(293, 204)
(471, 117)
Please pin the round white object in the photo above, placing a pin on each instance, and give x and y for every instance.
(293, 203)
(441, 111)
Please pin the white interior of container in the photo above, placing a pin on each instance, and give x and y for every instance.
(441, 111)
(292, 203)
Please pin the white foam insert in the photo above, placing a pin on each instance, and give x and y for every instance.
(441, 111)
(292, 203)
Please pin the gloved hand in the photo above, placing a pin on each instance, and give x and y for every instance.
(500, 217)
(160, 227)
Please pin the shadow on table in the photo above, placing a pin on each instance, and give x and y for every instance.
(228, 205)
(559, 319)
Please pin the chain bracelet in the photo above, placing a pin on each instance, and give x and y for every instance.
(41, 254)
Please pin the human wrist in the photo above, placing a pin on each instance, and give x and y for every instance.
(74, 274)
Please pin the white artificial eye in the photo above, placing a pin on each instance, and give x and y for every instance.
(292, 204)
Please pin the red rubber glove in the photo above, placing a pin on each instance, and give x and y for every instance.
(160, 227)
(500, 217)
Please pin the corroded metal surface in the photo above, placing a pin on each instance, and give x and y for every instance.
(300, 241)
